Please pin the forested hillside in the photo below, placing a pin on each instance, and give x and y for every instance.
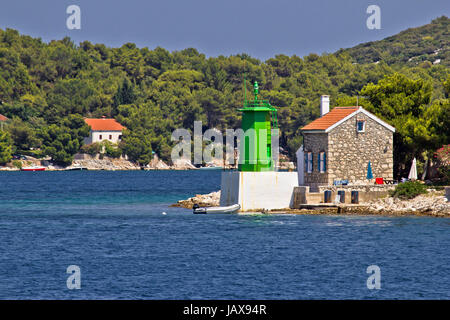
(47, 88)
(414, 46)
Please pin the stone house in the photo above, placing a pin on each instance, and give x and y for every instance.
(339, 145)
(104, 129)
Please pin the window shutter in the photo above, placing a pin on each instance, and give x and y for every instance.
(318, 162)
(324, 162)
(306, 161)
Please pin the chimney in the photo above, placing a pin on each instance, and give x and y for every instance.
(324, 105)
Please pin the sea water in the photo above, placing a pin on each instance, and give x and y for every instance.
(113, 227)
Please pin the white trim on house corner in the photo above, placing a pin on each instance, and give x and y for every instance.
(313, 131)
(375, 118)
(367, 113)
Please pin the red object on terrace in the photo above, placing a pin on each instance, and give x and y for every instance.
(3, 118)
(104, 124)
(379, 181)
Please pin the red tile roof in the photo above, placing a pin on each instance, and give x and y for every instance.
(3, 118)
(104, 124)
(335, 115)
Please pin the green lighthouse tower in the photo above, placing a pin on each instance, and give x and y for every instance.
(258, 118)
(257, 185)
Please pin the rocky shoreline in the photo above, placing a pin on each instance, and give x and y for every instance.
(98, 162)
(203, 200)
(88, 162)
(433, 204)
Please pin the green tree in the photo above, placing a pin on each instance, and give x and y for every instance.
(111, 150)
(23, 135)
(125, 93)
(5, 147)
(61, 142)
(403, 102)
(137, 146)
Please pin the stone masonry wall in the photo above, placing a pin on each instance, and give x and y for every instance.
(349, 151)
(315, 143)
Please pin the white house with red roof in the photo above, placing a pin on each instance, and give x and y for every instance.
(339, 145)
(3, 120)
(104, 129)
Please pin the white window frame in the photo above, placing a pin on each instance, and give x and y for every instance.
(364, 125)
(310, 162)
(322, 162)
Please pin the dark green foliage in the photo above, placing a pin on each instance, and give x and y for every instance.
(5, 147)
(125, 93)
(137, 147)
(61, 141)
(408, 190)
(91, 149)
(23, 135)
(153, 92)
(111, 150)
(102, 148)
(426, 43)
(405, 104)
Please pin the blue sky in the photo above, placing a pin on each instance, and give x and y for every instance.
(260, 28)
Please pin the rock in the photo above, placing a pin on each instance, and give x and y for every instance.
(157, 164)
(183, 164)
(287, 165)
(203, 200)
(106, 164)
(433, 203)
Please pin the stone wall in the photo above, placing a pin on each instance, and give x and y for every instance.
(349, 151)
(366, 193)
(315, 143)
(302, 195)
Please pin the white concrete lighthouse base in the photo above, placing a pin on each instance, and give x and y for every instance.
(258, 190)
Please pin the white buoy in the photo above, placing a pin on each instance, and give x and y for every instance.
(164, 213)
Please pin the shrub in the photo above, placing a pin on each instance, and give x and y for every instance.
(137, 146)
(111, 149)
(17, 164)
(91, 149)
(5, 147)
(409, 190)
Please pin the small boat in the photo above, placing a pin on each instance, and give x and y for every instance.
(211, 166)
(33, 168)
(76, 169)
(204, 210)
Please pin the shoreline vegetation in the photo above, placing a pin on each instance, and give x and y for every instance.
(433, 203)
(47, 90)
